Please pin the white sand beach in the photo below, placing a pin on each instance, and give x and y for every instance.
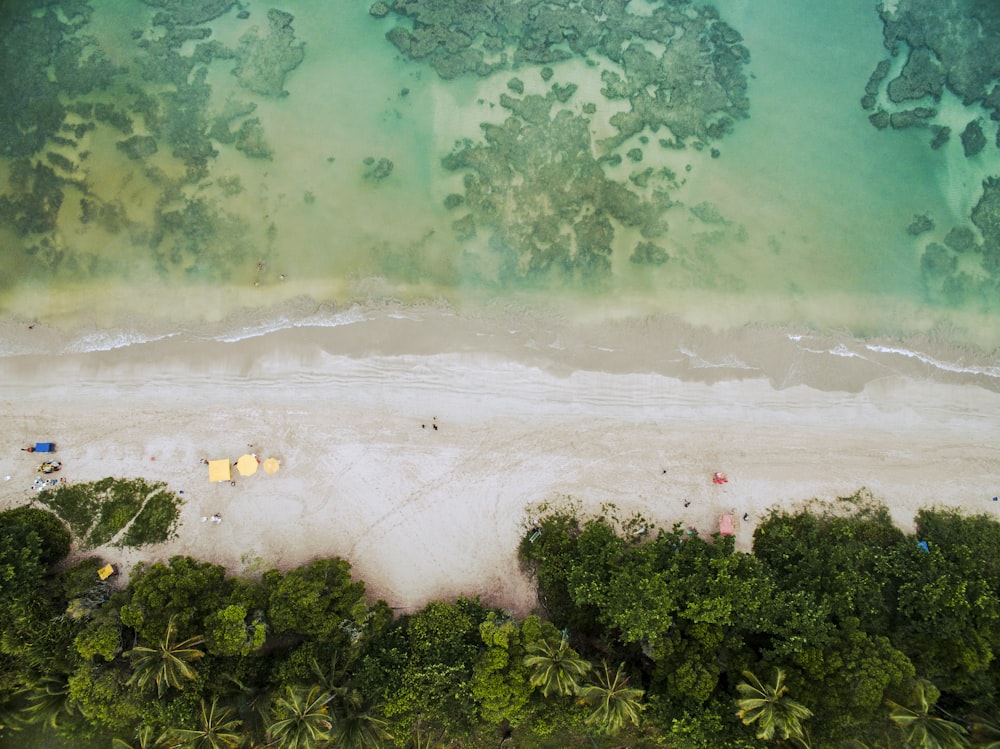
(422, 512)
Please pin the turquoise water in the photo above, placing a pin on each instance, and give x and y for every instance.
(796, 217)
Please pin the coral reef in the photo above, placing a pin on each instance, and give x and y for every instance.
(250, 140)
(30, 107)
(377, 171)
(190, 12)
(950, 45)
(138, 146)
(66, 88)
(964, 270)
(265, 59)
(536, 185)
(986, 217)
(32, 206)
(973, 139)
(694, 86)
(920, 225)
(648, 253)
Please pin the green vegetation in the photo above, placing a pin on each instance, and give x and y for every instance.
(839, 630)
(97, 512)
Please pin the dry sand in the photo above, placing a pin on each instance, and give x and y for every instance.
(423, 513)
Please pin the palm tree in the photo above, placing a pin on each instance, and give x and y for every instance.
(301, 719)
(217, 729)
(557, 668)
(921, 730)
(356, 726)
(329, 678)
(249, 702)
(614, 701)
(167, 663)
(47, 701)
(986, 731)
(771, 708)
(422, 739)
(145, 738)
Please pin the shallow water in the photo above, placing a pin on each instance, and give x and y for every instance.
(799, 225)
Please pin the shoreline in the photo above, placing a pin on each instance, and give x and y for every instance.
(525, 415)
(551, 339)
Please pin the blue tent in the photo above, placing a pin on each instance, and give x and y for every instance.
(45, 447)
(923, 546)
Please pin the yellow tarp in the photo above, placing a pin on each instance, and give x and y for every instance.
(219, 470)
(106, 571)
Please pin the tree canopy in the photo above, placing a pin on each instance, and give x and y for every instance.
(837, 628)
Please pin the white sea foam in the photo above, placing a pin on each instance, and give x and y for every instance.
(264, 327)
(728, 361)
(839, 350)
(988, 371)
(107, 340)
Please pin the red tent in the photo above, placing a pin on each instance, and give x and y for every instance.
(726, 525)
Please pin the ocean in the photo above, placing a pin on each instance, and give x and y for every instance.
(231, 176)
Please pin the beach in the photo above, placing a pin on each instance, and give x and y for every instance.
(448, 299)
(528, 416)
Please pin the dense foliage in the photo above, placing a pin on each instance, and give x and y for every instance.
(115, 511)
(838, 630)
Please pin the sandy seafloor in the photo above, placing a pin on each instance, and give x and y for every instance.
(797, 355)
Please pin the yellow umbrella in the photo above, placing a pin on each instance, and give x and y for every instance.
(218, 470)
(271, 465)
(247, 465)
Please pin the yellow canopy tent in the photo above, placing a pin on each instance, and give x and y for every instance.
(106, 571)
(219, 470)
(271, 465)
(247, 465)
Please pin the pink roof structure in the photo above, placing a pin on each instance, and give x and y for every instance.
(726, 525)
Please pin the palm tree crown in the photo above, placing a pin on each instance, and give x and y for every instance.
(923, 730)
(557, 668)
(356, 725)
(301, 719)
(770, 707)
(614, 701)
(217, 729)
(167, 663)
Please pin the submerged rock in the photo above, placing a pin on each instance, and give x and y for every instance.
(961, 239)
(138, 146)
(683, 65)
(250, 139)
(916, 117)
(986, 217)
(942, 135)
(921, 224)
(647, 253)
(950, 44)
(265, 59)
(921, 76)
(973, 139)
(189, 12)
(377, 170)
